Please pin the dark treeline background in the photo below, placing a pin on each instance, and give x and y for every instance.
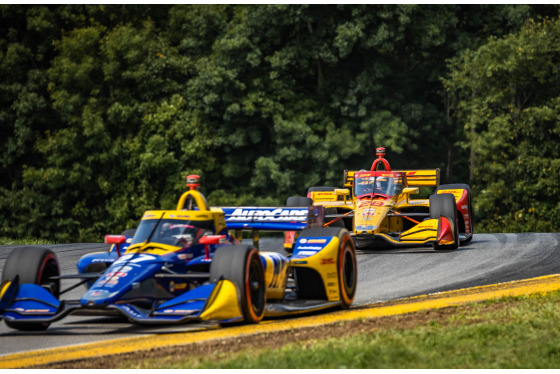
(105, 109)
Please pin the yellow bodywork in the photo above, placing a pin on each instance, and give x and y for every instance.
(184, 211)
(325, 263)
(275, 275)
(371, 216)
(4, 287)
(223, 303)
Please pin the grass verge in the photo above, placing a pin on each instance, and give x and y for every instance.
(509, 333)
(31, 241)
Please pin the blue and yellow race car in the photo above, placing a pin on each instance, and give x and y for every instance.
(188, 264)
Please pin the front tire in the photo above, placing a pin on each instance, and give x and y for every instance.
(35, 265)
(462, 186)
(443, 205)
(242, 265)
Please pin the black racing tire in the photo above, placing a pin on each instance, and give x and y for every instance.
(339, 223)
(462, 186)
(443, 205)
(33, 265)
(296, 201)
(242, 265)
(347, 267)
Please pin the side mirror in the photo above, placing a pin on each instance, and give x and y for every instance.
(115, 239)
(212, 239)
(411, 190)
(342, 192)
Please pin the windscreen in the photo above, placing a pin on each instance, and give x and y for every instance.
(173, 232)
(385, 185)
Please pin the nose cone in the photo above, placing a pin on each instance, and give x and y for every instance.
(369, 214)
(117, 281)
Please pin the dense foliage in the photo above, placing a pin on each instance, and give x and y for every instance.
(105, 109)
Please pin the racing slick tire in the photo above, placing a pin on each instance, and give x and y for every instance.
(298, 201)
(461, 186)
(339, 223)
(242, 265)
(443, 205)
(309, 284)
(33, 265)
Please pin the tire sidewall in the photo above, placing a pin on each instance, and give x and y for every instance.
(32, 265)
(253, 255)
(346, 248)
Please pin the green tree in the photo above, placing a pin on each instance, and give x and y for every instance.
(508, 100)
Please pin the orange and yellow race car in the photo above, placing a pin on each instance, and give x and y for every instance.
(379, 208)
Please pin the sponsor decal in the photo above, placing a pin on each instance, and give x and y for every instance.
(331, 284)
(279, 214)
(129, 259)
(368, 212)
(327, 261)
(299, 262)
(115, 275)
(132, 311)
(321, 241)
(179, 311)
(126, 269)
(312, 241)
(96, 294)
(332, 275)
(365, 228)
(36, 310)
(312, 247)
(306, 253)
(176, 287)
(185, 256)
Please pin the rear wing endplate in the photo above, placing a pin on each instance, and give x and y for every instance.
(273, 218)
(349, 178)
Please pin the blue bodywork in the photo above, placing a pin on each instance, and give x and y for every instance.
(145, 287)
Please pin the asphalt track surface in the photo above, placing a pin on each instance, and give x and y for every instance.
(383, 275)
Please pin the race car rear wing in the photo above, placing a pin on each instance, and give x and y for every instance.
(422, 178)
(273, 218)
(415, 178)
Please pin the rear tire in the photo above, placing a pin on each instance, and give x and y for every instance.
(443, 205)
(296, 201)
(33, 265)
(242, 265)
(347, 268)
